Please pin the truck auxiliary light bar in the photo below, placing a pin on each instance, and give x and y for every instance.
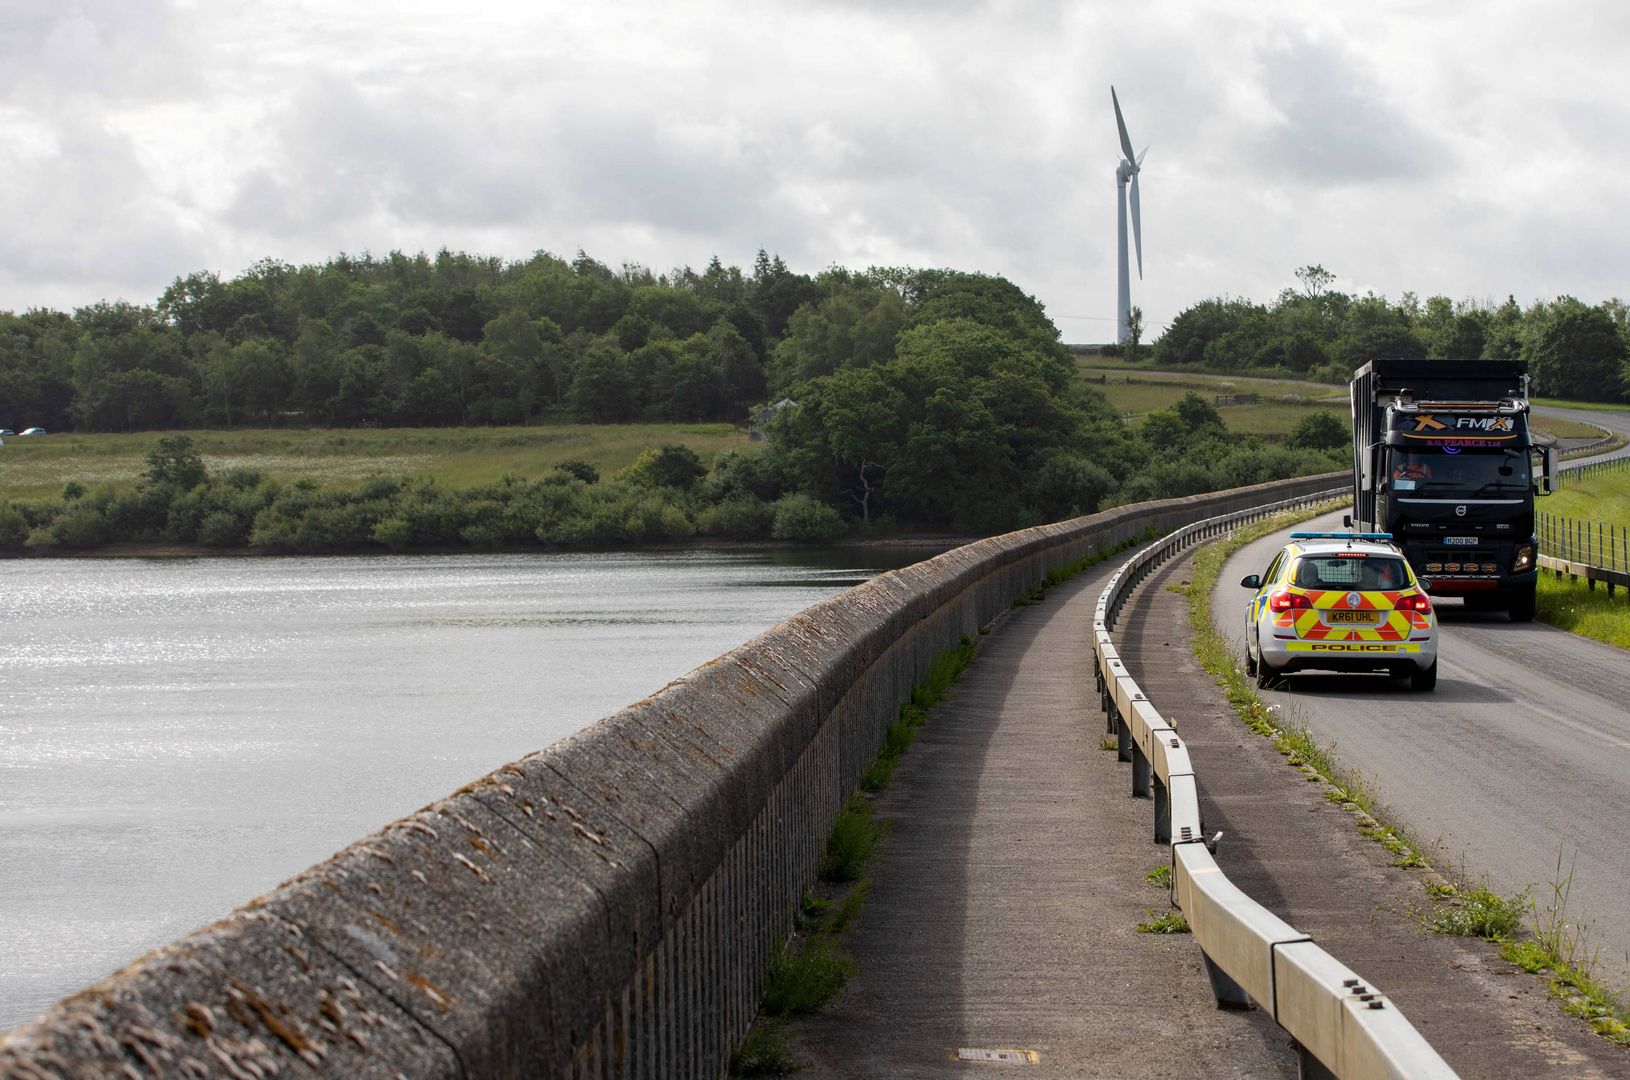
(1339, 536)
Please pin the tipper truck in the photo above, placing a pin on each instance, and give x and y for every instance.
(1444, 461)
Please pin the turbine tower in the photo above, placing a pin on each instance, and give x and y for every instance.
(1126, 172)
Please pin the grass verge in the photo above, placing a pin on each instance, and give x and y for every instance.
(1554, 944)
(1575, 607)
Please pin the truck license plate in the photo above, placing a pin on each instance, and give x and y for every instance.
(1352, 618)
(1463, 541)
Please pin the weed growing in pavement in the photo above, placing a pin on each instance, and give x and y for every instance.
(1109, 742)
(801, 980)
(853, 839)
(1476, 912)
(1172, 922)
(1557, 948)
(765, 1052)
(1160, 875)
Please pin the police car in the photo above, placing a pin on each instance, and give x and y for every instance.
(1340, 602)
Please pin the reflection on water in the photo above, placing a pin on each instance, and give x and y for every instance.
(178, 736)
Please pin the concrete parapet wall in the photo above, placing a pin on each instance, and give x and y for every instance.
(606, 907)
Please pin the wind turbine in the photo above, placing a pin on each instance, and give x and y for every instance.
(1126, 172)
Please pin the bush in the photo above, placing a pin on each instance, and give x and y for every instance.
(1319, 430)
(799, 517)
(739, 518)
(394, 533)
(80, 526)
(222, 528)
(672, 465)
(582, 470)
(13, 526)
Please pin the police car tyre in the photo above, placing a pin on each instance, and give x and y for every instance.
(1250, 663)
(1425, 680)
(1266, 677)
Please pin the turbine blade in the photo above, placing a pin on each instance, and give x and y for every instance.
(1139, 162)
(1126, 140)
(1137, 226)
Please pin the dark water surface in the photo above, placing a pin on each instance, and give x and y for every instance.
(178, 736)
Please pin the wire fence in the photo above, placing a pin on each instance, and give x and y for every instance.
(1574, 473)
(1594, 543)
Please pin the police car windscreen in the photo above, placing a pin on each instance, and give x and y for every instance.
(1368, 573)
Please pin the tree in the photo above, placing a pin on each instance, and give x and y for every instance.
(1577, 353)
(1315, 279)
(1134, 324)
(175, 460)
(602, 391)
(1319, 430)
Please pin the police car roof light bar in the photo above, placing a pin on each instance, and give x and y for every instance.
(1340, 536)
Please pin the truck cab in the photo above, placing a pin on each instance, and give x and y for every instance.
(1444, 461)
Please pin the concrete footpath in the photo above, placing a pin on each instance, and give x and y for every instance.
(1005, 896)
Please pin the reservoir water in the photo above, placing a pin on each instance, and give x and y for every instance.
(178, 736)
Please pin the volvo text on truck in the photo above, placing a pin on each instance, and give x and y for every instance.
(1443, 459)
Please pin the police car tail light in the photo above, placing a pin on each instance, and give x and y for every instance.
(1286, 601)
(1415, 602)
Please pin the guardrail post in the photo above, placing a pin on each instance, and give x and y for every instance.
(1163, 813)
(1309, 1067)
(1229, 994)
(1123, 740)
(1142, 771)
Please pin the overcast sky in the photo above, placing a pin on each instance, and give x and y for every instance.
(1472, 150)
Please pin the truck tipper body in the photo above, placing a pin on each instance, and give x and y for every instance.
(1443, 459)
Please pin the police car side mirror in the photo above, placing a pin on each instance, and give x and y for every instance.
(1251, 581)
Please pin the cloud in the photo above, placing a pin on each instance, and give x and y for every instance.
(55, 54)
(1334, 124)
(92, 214)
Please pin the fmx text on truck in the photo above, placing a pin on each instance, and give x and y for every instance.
(1443, 460)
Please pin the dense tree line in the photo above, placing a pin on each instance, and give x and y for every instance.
(1574, 350)
(901, 399)
(405, 340)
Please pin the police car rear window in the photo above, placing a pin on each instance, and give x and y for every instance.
(1346, 572)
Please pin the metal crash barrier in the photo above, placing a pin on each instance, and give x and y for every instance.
(1342, 1026)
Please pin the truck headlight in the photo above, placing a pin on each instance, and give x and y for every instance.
(1525, 559)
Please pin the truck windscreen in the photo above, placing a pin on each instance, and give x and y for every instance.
(1458, 473)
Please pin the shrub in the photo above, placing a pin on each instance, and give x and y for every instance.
(671, 465)
(80, 526)
(13, 525)
(394, 533)
(222, 528)
(799, 517)
(739, 518)
(582, 470)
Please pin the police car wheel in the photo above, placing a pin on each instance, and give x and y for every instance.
(1250, 663)
(1425, 680)
(1266, 677)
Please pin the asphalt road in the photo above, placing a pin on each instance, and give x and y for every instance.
(1517, 764)
(1613, 421)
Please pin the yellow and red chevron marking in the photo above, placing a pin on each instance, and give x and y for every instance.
(1394, 626)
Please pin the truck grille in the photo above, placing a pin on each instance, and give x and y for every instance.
(1457, 560)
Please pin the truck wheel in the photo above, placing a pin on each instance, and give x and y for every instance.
(1522, 605)
(1424, 680)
